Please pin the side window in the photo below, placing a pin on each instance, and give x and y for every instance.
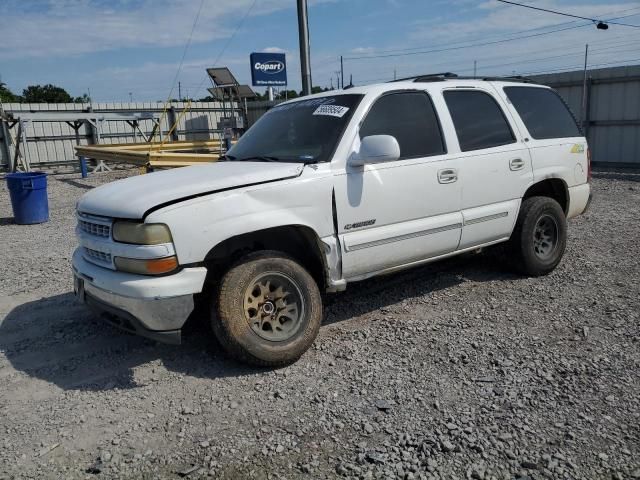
(411, 118)
(543, 112)
(478, 119)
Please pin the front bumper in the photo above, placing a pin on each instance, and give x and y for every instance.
(154, 307)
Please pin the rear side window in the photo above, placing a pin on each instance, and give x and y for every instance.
(411, 118)
(478, 119)
(543, 112)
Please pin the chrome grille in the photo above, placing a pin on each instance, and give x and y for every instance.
(96, 256)
(97, 229)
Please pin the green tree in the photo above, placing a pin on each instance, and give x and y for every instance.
(289, 94)
(45, 94)
(83, 99)
(7, 95)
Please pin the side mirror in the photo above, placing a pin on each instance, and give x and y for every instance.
(376, 149)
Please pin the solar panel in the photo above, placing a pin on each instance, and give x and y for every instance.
(245, 91)
(218, 93)
(222, 77)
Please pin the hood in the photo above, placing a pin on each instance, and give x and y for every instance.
(133, 197)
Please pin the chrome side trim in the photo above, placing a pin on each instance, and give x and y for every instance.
(94, 218)
(357, 278)
(487, 218)
(400, 238)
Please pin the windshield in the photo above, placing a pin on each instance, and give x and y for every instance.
(305, 131)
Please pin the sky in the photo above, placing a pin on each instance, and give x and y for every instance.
(122, 49)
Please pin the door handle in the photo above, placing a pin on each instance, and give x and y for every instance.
(516, 164)
(447, 175)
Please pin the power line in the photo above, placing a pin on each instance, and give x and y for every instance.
(400, 50)
(573, 53)
(554, 57)
(186, 47)
(579, 67)
(495, 42)
(515, 59)
(593, 20)
(448, 46)
(448, 65)
(175, 79)
(224, 48)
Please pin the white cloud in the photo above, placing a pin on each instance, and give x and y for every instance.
(479, 23)
(361, 50)
(73, 27)
(493, 17)
(274, 50)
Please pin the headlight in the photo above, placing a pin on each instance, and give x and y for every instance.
(141, 233)
(155, 266)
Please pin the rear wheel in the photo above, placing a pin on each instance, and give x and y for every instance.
(268, 310)
(540, 236)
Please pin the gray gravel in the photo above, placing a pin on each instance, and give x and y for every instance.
(456, 370)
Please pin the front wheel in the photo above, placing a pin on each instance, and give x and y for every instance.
(540, 236)
(268, 310)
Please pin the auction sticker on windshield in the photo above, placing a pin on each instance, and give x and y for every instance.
(332, 110)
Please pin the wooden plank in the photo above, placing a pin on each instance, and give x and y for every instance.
(156, 146)
(192, 157)
(174, 163)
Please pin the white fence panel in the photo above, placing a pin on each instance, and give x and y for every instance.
(52, 143)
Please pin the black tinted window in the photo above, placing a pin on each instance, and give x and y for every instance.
(543, 112)
(478, 119)
(411, 119)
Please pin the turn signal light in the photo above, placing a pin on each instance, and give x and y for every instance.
(155, 266)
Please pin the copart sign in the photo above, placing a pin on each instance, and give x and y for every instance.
(268, 69)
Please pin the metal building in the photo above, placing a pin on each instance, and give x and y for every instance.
(611, 119)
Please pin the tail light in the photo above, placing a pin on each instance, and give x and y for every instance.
(588, 164)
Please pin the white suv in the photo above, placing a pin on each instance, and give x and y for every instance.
(331, 189)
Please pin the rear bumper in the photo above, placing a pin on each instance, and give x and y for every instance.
(579, 199)
(154, 307)
(588, 202)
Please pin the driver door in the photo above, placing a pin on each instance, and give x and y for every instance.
(404, 211)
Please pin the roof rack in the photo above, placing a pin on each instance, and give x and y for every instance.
(440, 77)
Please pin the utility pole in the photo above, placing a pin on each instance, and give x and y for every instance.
(341, 72)
(394, 73)
(303, 34)
(583, 105)
(475, 66)
(337, 72)
(179, 91)
(130, 97)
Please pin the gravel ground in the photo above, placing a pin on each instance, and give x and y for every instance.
(455, 370)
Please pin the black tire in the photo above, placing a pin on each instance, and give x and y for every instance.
(253, 336)
(533, 252)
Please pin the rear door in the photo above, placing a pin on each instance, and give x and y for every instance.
(555, 141)
(495, 164)
(399, 212)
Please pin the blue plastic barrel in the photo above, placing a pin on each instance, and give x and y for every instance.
(28, 193)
